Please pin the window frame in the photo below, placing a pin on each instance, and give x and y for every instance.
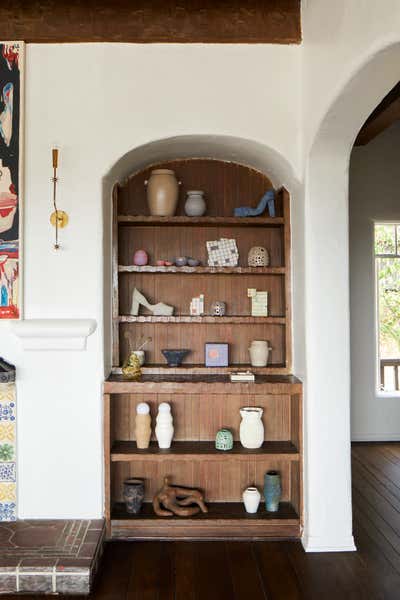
(396, 223)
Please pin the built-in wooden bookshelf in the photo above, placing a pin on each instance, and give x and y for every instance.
(203, 399)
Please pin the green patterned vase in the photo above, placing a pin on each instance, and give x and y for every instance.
(224, 440)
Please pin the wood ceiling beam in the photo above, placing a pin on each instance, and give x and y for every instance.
(151, 21)
(385, 114)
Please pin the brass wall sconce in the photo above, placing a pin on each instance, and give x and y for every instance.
(59, 218)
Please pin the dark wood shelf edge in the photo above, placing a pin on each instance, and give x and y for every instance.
(222, 221)
(217, 384)
(127, 451)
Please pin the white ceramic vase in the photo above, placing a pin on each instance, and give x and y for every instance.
(251, 428)
(195, 205)
(164, 426)
(259, 350)
(251, 499)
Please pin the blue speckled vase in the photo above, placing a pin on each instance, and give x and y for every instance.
(272, 490)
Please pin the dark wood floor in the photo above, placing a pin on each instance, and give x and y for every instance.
(274, 570)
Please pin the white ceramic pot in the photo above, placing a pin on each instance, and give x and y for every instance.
(251, 499)
(195, 205)
(162, 193)
(251, 429)
(140, 355)
(164, 427)
(259, 351)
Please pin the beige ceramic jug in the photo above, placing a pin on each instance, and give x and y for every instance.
(162, 193)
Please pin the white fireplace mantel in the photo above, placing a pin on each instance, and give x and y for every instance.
(54, 334)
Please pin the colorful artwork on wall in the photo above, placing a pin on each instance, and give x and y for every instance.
(11, 106)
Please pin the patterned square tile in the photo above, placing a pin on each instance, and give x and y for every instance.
(8, 492)
(8, 511)
(7, 432)
(8, 471)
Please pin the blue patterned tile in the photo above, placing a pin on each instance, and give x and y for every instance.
(8, 511)
(7, 471)
(7, 411)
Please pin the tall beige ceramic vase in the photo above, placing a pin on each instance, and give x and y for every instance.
(162, 193)
(143, 425)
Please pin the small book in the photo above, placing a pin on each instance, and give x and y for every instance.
(241, 376)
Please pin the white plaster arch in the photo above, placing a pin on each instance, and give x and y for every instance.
(328, 522)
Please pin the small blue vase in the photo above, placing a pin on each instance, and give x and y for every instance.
(272, 490)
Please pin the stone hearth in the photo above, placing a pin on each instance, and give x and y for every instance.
(50, 556)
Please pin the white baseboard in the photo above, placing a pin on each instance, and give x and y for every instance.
(375, 437)
(321, 544)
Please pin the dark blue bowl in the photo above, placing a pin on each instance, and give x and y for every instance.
(175, 356)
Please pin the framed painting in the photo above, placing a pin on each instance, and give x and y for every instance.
(11, 155)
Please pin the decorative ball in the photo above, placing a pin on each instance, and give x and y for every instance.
(164, 407)
(143, 408)
(140, 258)
(224, 440)
(181, 261)
(258, 257)
(218, 309)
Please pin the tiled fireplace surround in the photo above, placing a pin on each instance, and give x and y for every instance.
(58, 556)
(39, 556)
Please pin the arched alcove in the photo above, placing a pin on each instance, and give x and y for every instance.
(327, 407)
(248, 153)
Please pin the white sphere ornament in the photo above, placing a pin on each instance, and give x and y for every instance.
(143, 408)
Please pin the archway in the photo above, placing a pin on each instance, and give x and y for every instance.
(327, 407)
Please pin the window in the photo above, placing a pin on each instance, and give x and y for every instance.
(387, 270)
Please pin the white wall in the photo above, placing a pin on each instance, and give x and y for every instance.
(374, 196)
(98, 102)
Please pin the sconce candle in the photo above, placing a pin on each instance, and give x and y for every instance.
(58, 218)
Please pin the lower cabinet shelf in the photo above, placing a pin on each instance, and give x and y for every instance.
(128, 451)
(224, 520)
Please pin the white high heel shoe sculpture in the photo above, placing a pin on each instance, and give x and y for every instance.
(159, 309)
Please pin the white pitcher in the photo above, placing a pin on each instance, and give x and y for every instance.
(164, 427)
(251, 428)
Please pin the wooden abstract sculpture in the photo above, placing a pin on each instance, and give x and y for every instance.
(177, 500)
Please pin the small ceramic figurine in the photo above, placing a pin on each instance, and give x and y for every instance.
(131, 367)
(224, 440)
(133, 495)
(140, 258)
(218, 308)
(157, 309)
(195, 205)
(251, 499)
(173, 500)
(267, 199)
(143, 425)
(258, 257)
(180, 261)
(164, 428)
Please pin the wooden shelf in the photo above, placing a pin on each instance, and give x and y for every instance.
(224, 520)
(203, 319)
(203, 270)
(198, 384)
(202, 221)
(193, 450)
(193, 369)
